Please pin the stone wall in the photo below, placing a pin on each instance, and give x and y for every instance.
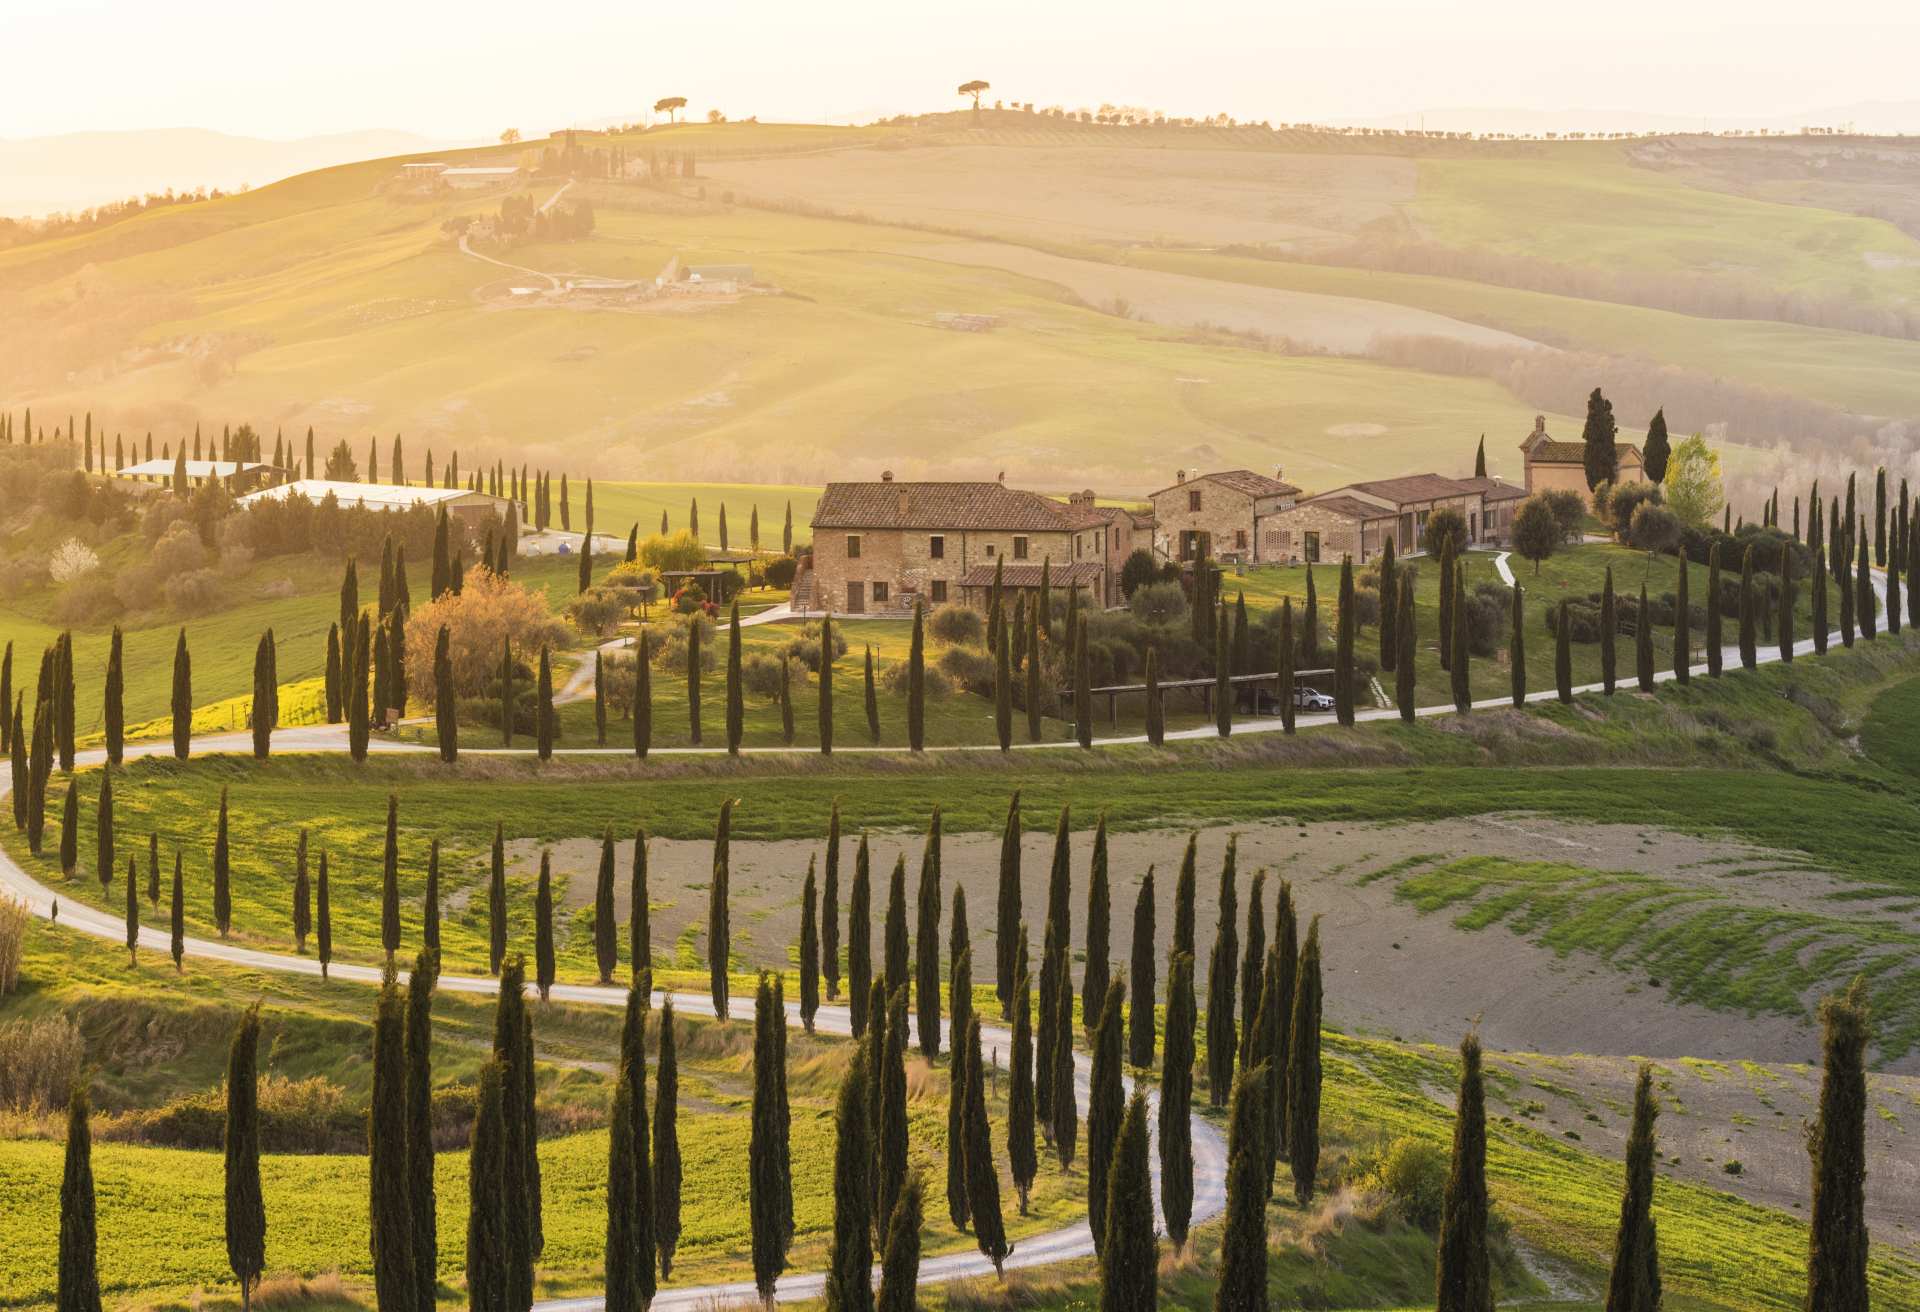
(903, 560)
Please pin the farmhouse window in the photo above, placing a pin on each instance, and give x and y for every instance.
(1193, 500)
(990, 551)
(1019, 548)
(937, 547)
(1312, 547)
(938, 591)
(1240, 539)
(879, 593)
(853, 546)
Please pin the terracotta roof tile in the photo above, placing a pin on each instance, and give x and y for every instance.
(1242, 480)
(1413, 487)
(1493, 489)
(1084, 574)
(939, 506)
(1349, 507)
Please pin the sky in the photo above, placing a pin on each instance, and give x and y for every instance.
(469, 70)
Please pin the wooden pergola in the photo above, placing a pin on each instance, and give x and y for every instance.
(1204, 687)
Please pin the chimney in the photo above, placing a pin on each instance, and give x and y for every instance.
(886, 476)
(1279, 474)
(1539, 426)
(1081, 498)
(1179, 475)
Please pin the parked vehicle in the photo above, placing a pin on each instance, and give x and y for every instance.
(1312, 699)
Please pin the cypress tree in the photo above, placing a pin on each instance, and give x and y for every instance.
(1130, 1254)
(860, 941)
(1269, 1028)
(1643, 645)
(133, 913)
(736, 689)
(1785, 617)
(956, 1098)
(666, 1144)
(543, 927)
(359, 727)
(1008, 923)
(1817, 599)
(6, 697)
(1462, 1279)
(508, 1024)
(70, 830)
(1845, 588)
(1866, 605)
(891, 1139)
(1106, 1103)
(1749, 612)
(1099, 929)
(182, 698)
(302, 890)
(926, 942)
(1303, 1070)
(177, 917)
(643, 699)
(113, 713)
(430, 907)
(830, 907)
(1252, 962)
(1609, 627)
(1140, 1035)
(1403, 670)
(1033, 707)
(917, 681)
(322, 914)
(78, 1283)
(719, 935)
(1836, 1145)
(497, 901)
(809, 950)
(900, 1259)
(442, 577)
(222, 873)
(1066, 1110)
(895, 958)
(390, 882)
(1447, 602)
(1682, 623)
(1003, 681)
(1021, 1154)
(545, 723)
(1243, 1246)
(1714, 638)
(639, 924)
(1082, 682)
(17, 758)
(506, 692)
(1633, 1284)
(66, 703)
(824, 706)
(1879, 516)
(1156, 708)
(849, 1286)
(1389, 592)
(1893, 582)
(1343, 679)
(1457, 667)
(1517, 649)
(1221, 1045)
(960, 974)
(1286, 973)
(445, 709)
(693, 682)
(426, 1251)
(1222, 683)
(103, 861)
(983, 1180)
(763, 1177)
(1913, 565)
(599, 698)
(487, 1196)
(606, 926)
(872, 700)
(391, 1239)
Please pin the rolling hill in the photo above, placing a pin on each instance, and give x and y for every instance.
(1342, 306)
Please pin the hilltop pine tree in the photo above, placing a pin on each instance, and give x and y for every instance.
(1633, 1284)
(1462, 1276)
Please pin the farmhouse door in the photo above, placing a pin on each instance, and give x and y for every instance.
(856, 598)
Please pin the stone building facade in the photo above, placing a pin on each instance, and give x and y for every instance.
(1561, 466)
(1222, 515)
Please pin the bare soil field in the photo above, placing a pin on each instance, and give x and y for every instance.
(1124, 195)
(1441, 980)
(1342, 325)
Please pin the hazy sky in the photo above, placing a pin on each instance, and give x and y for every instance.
(473, 68)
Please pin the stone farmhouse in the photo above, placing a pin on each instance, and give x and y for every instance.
(880, 546)
(1558, 465)
(1359, 519)
(1225, 515)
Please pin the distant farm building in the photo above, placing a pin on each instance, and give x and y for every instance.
(476, 177)
(1561, 466)
(459, 502)
(738, 274)
(239, 475)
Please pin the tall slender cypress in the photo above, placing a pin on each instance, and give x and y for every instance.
(1130, 1253)
(391, 1235)
(264, 711)
(1021, 1154)
(359, 725)
(1836, 1145)
(1252, 961)
(426, 1250)
(1221, 969)
(1633, 1284)
(322, 914)
(1343, 677)
(917, 680)
(1243, 1246)
(719, 936)
(1389, 592)
(113, 712)
(103, 855)
(1008, 922)
(1403, 670)
(1032, 645)
(1106, 1103)
(544, 720)
(1303, 1070)
(639, 922)
(302, 888)
(900, 1255)
(1517, 648)
(182, 698)
(1866, 605)
(1003, 681)
(891, 1140)
(1817, 599)
(860, 943)
(446, 721)
(1749, 612)
(78, 1281)
(1060, 1084)
(809, 949)
(1715, 641)
(1643, 644)
(1286, 973)
(606, 925)
(926, 942)
(1098, 945)
(487, 1195)
(1785, 616)
(245, 1207)
(1682, 623)
(736, 688)
(849, 1286)
(543, 963)
(1457, 667)
(769, 1247)
(666, 1144)
(1462, 1277)
(497, 901)
(1140, 1035)
(1222, 683)
(872, 699)
(222, 872)
(825, 703)
(895, 956)
(983, 1180)
(1609, 631)
(390, 881)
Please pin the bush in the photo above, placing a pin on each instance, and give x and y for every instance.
(89, 599)
(296, 1116)
(14, 919)
(1654, 528)
(677, 551)
(1569, 509)
(597, 612)
(894, 679)
(806, 648)
(195, 592)
(670, 650)
(1137, 572)
(1443, 526)
(1158, 603)
(488, 612)
(780, 570)
(1623, 501)
(1413, 1174)
(1487, 610)
(39, 1060)
(959, 625)
(969, 667)
(691, 599)
(178, 550)
(760, 676)
(70, 560)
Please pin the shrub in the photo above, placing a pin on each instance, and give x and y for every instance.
(1137, 572)
(296, 1116)
(193, 593)
(1624, 500)
(1413, 1174)
(676, 551)
(760, 675)
(1536, 530)
(670, 653)
(958, 625)
(806, 648)
(598, 611)
(14, 919)
(39, 1060)
(617, 681)
(1487, 612)
(87, 600)
(1654, 528)
(1443, 526)
(1158, 603)
(488, 611)
(1568, 507)
(969, 667)
(894, 679)
(178, 550)
(691, 599)
(70, 560)
(780, 570)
